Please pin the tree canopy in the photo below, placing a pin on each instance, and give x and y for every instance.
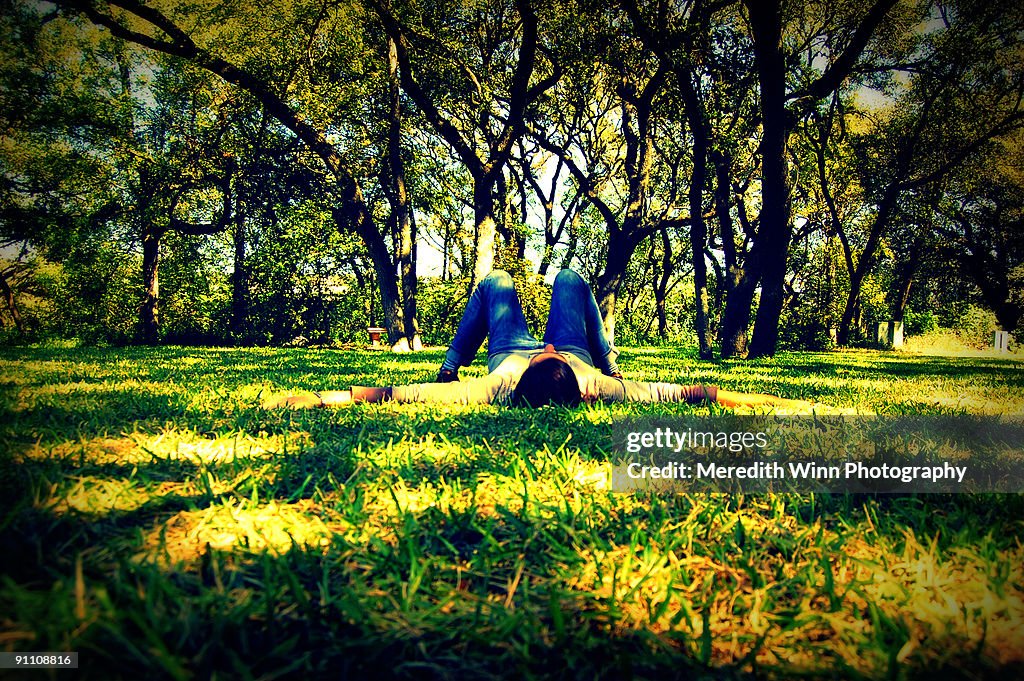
(719, 171)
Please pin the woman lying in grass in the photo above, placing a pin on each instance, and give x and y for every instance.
(575, 362)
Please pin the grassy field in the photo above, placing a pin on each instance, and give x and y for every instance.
(161, 523)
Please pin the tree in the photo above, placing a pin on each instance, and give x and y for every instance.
(402, 218)
(981, 226)
(829, 54)
(77, 160)
(272, 86)
(966, 89)
(604, 123)
(684, 43)
(775, 229)
(454, 65)
(181, 180)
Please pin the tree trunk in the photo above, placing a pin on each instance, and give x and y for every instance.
(484, 231)
(12, 307)
(552, 236)
(574, 240)
(622, 244)
(723, 178)
(446, 256)
(738, 307)
(858, 275)
(698, 228)
(775, 232)
(909, 269)
(699, 240)
(406, 228)
(512, 248)
(351, 216)
(239, 282)
(661, 284)
(742, 281)
(410, 285)
(547, 204)
(606, 296)
(149, 311)
(545, 260)
(387, 280)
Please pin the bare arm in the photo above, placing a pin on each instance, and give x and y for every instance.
(483, 390)
(332, 398)
(727, 398)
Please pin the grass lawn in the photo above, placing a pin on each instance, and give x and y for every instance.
(161, 523)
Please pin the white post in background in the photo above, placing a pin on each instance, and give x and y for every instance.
(1001, 341)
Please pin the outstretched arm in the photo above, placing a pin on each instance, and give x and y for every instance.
(601, 387)
(482, 390)
(727, 398)
(332, 398)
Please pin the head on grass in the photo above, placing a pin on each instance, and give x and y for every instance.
(548, 380)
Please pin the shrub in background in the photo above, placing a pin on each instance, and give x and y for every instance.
(919, 323)
(975, 327)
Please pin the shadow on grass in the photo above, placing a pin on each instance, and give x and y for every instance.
(352, 607)
(346, 611)
(118, 411)
(227, 367)
(321, 614)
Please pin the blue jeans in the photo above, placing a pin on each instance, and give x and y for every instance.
(574, 324)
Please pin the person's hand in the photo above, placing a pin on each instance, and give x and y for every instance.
(305, 401)
(335, 398)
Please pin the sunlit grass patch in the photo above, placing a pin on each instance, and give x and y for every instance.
(972, 401)
(796, 596)
(227, 448)
(96, 496)
(947, 603)
(95, 450)
(168, 445)
(236, 526)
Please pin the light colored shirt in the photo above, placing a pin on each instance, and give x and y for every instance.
(500, 384)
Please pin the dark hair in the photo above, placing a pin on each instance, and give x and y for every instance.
(549, 381)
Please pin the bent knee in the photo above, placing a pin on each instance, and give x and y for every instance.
(497, 276)
(568, 276)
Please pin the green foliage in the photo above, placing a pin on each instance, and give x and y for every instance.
(821, 288)
(98, 296)
(636, 321)
(440, 304)
(535, 297)
(800, 330)
(975, 326)
(919, 323)
(108, 143)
